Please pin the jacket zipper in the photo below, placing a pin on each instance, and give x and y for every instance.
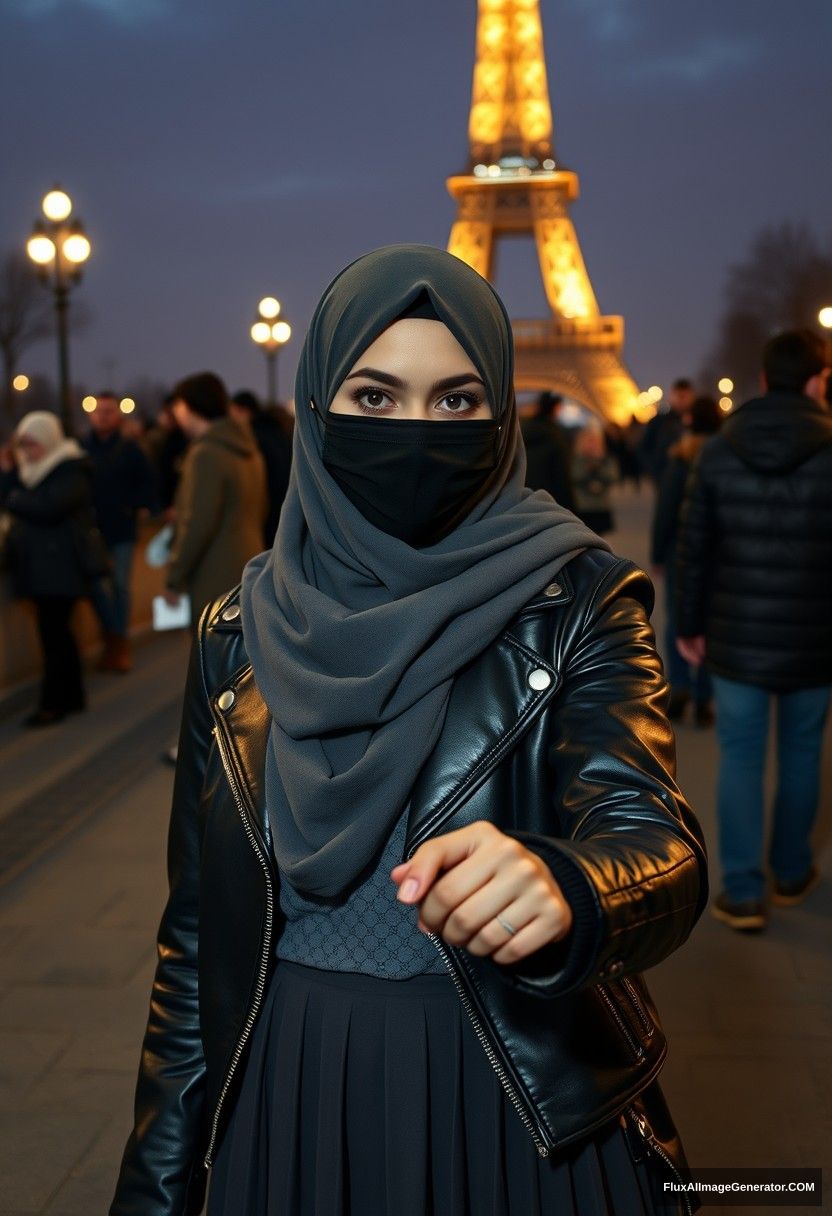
(639, 1008)
(493, 1059)
(652, 1143)
(266, 953)
(635, 1047)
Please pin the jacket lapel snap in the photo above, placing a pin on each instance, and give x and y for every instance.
(243, 722)
(492, 704)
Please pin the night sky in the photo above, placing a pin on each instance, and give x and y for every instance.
(219, 151)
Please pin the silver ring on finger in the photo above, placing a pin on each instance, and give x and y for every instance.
(509, 928)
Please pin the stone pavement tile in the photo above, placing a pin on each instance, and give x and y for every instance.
(113, 1048)
(24, 1057)
(88, 1189)
(137, 904)
(753, 1022)
(88, 1089)
(37, 1155)
(59, 1007)
(82, 956)
(754, 1112)
(79, 956)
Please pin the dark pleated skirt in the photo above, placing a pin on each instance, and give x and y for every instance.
(364, 1096)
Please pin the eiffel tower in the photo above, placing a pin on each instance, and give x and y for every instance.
(514, 186)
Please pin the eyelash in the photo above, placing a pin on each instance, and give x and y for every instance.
(473, 399)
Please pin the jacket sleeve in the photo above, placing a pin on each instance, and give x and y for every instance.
(161, 1170)
(52, 501)
(145, 482)
(198, 513)
(694, 551)
(631, 859)
(666, 513)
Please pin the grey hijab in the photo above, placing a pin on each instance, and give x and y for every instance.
(354, 636)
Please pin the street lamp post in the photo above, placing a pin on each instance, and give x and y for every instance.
(59, 247)
(270, 334)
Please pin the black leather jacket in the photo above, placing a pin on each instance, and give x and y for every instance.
(557, 734)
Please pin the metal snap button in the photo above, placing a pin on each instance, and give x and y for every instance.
(231, 612)
(553, 590)
(225, 700)
(615, 968)
(539, 679)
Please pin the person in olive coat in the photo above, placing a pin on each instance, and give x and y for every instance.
(221, 501)
(49, 499)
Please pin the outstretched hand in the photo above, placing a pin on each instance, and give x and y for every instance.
(464, 879)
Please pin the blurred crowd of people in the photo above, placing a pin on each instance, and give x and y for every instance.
(213, 467)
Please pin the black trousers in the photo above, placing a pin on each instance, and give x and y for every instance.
(62, 689)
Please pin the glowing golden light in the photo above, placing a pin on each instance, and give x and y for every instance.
(725, 404)
(20, 383)
(261, 331)
(40, 249)
(825, 317)
(57, 205)
(281, 332)
(726, 385)
(127, 405)
(510, 96)
(655, 392)
(76, 248)
(88, 405)
(269, 308)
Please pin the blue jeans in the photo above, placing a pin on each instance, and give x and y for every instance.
(111, 596)
(696, 681)
(742, 718)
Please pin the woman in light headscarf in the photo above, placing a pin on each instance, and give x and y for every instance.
(425, 832)
(49, 498)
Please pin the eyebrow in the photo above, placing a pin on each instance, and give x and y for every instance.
(372, 373)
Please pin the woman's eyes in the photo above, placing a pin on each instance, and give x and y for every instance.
(376, 401)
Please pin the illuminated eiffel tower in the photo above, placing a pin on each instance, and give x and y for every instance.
(515, 186)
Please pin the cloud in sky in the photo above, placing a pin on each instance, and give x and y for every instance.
(711, 58)
(125, 12)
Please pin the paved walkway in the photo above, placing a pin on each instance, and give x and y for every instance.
(749, 1019)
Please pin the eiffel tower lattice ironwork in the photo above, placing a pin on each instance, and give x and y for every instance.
(515, 187)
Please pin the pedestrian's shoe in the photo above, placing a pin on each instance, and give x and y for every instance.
(678, 702)
(788, 894)
(746, 915)
(107, 662)
(43, 717)
(122, 662)
(704, 714)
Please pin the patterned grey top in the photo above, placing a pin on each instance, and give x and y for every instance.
(369, 931)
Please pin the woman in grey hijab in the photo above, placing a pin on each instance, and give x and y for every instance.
(443, 732)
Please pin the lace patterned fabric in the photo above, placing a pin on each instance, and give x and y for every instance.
(369, 931)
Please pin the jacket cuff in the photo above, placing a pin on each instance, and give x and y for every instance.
(564, 965)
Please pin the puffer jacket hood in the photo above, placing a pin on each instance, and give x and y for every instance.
(778, 432)
(232, 435)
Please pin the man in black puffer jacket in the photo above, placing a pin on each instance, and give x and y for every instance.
(754, 601)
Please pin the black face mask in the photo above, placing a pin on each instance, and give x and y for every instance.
(414, 480)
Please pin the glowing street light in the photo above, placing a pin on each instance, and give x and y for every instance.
(59, 247)
(726, 404)
(270, 336)
(825, 317)
(127, 405)
(269, 308)
(88, 405)
(726, 385)
(20, 383)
